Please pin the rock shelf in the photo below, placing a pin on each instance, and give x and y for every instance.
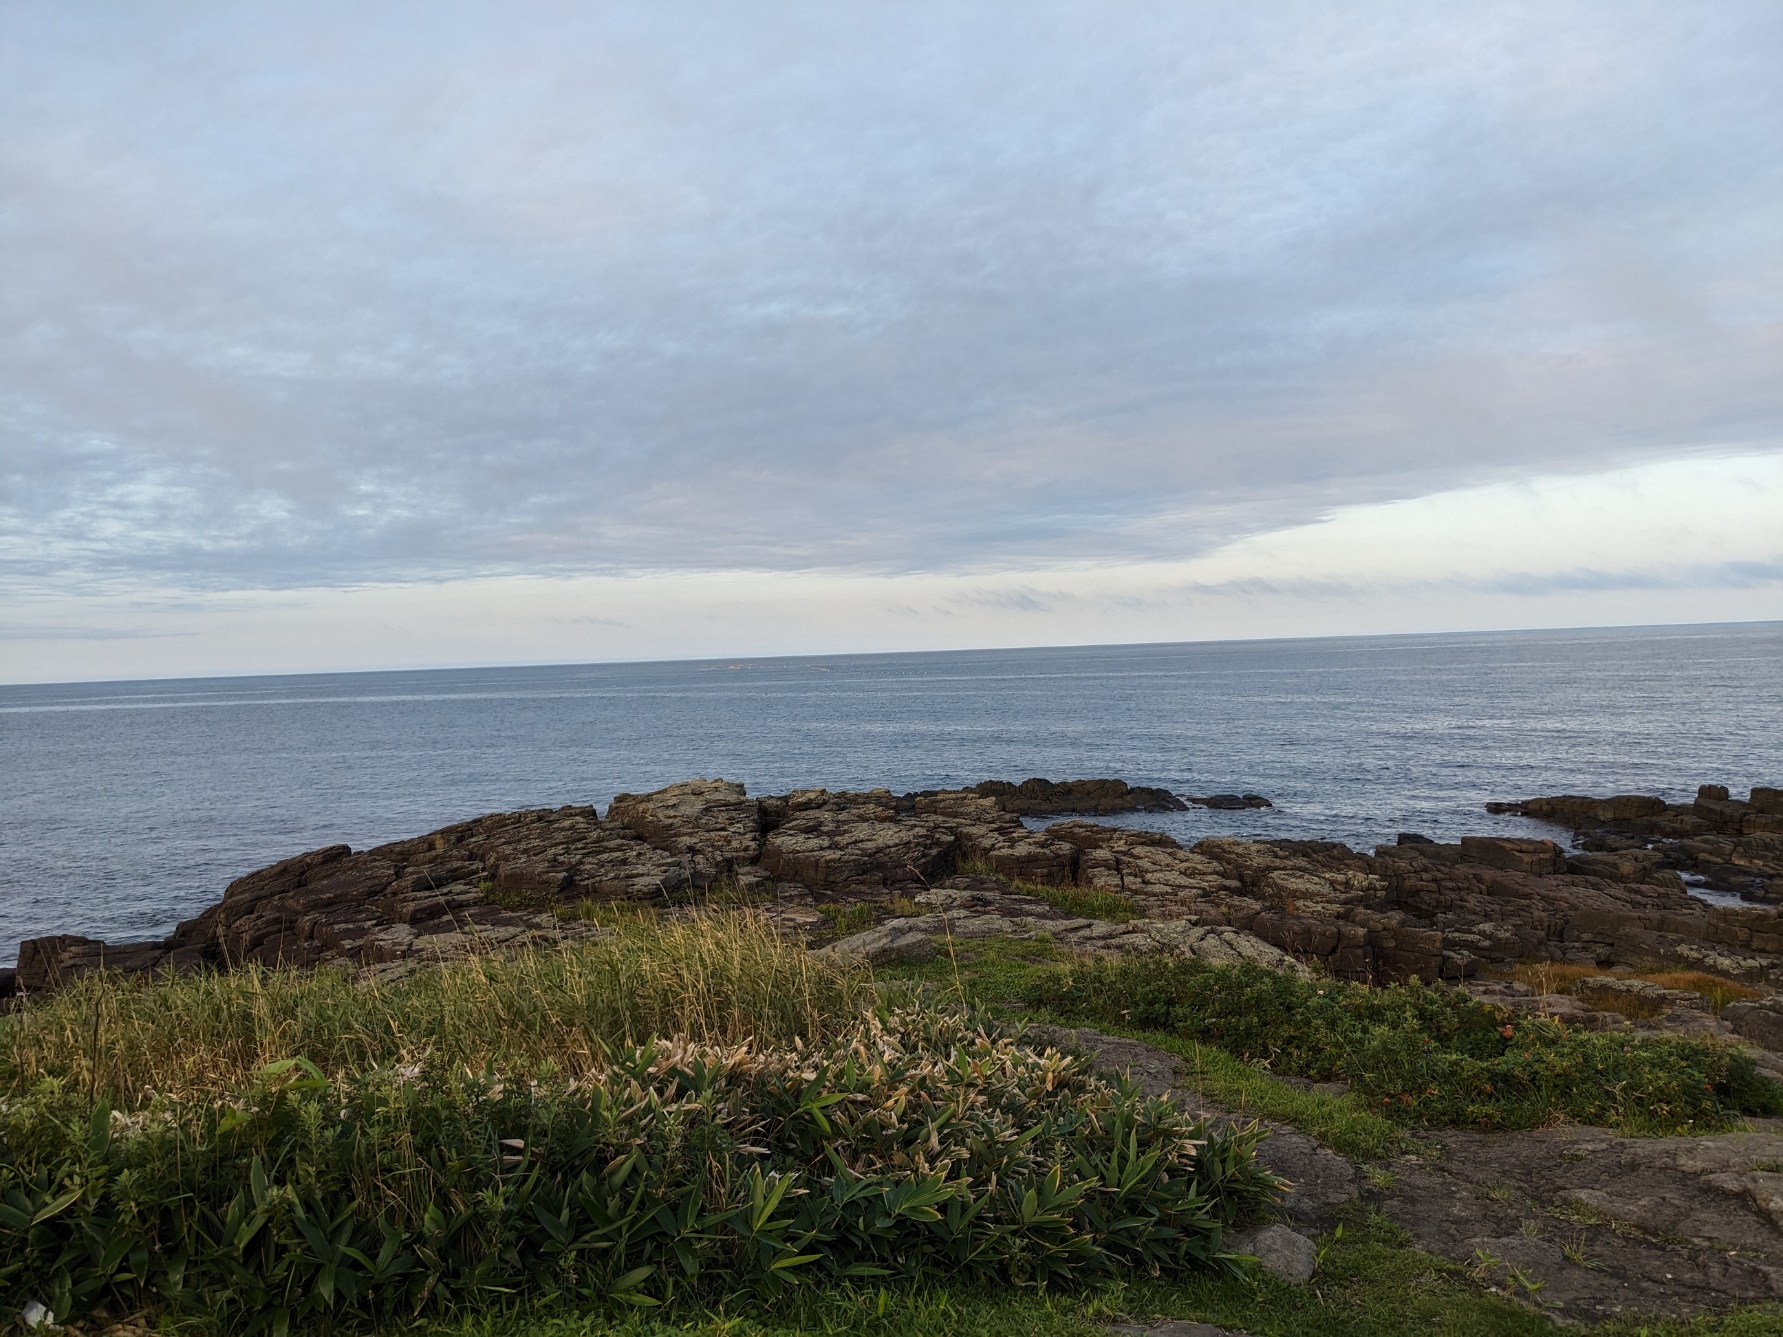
(905, 871)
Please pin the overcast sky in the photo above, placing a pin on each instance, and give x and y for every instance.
(671, 329)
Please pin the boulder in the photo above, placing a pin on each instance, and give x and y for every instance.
(1279, 1251)
(1521, 856)
(1760, 1021)
(1230, 802)
(829, 842)
(711, 824)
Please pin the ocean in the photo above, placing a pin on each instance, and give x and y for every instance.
(126, 807)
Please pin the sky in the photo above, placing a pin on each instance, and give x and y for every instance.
(375, 336)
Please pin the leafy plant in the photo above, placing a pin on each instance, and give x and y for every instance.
(919, 1145)
(1421, 1054)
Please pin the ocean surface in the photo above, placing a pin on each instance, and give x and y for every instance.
(126, 807)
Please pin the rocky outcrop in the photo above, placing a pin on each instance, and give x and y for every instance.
(1094, 798)
(959, 863)
(1230, 802)
(842, 843)
(1725, 843)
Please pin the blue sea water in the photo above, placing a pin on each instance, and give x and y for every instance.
(125, 807)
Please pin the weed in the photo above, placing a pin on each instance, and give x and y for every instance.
(1562, 977)
(847, 919)
(1084, 902)
(1574, 1252)
(722, 978)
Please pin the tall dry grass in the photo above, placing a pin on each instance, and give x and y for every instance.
(719, 978)
(1562, 977)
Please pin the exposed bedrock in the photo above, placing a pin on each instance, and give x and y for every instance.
(961, 864)
(1725, 843)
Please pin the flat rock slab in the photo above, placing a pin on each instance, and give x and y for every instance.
(1602, 1224)
(1579, 1222)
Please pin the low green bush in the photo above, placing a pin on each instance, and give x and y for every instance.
(919, 1146)
(1421, 1054)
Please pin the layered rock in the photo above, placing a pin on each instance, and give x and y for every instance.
(1728, 844)
(1418, 908)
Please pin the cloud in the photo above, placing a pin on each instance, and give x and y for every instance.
(1671, 542)
(327, 296)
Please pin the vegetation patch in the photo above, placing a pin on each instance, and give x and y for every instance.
(408, 1158)
(1420, 1054)
(1563, 977)
(1083, 902)
(722, 978)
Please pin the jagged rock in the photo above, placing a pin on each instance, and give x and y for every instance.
(1521, 856)
(1645, 992)
(833, 841)
(712, 824)
(1418, 908)
(1282, 1252)
(988, 834)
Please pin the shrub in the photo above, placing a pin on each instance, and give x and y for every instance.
(917, 1145)
(1421, 1054)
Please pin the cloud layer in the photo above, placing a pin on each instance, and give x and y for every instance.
(311, 296)
(1694, 541)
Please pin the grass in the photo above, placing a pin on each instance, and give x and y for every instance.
(756, 1003)
(721, 978)
(1422, 1055)
(1561, 977)
(846, 920)
(294, 1149)
(1083, 902)
(1346, 1124)
(1014, 976)
(1371, 1284)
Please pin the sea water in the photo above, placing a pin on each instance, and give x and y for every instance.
(126, 807)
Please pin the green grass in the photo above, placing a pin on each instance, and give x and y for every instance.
(1084, 902)
(1418, 1054)
(1370, 1285)
(1346, 1124)
(1000, 973)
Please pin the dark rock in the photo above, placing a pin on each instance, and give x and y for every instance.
(1099, 798)
(1413, 838)
(1522, 856)
(712, 824)
(1760, 1021)
(1230, 802)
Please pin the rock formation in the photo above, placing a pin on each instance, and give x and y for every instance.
(1724, 843)
(909, 870)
